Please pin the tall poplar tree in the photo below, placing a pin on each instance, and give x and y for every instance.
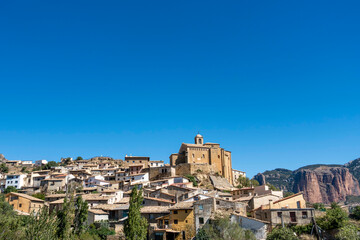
(135, 226)
(81, 213)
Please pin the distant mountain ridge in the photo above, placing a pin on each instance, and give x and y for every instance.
(320, 182)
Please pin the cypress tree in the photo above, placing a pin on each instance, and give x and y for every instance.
(135, 226)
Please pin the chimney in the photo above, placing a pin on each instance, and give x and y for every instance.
(271, 204)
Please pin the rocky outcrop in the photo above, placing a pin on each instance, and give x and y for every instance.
(260, 178)
(320, 183)
(326, 184)
(2, 157)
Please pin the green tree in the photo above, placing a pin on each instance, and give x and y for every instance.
(102, 231)
(41, 225)
(243, 182)
(287, 194)
(10, 189)
(356, 213)
(10, 222)
(65, 217)
(319, 206)
(334, 218)
(348, 232)
(192, 179)
(81, 214)
(223, 228)
(282, 234)
(4, 168)
(254, 183)
(135, 226)
(272, 187)
(79, 158)
(246, 182)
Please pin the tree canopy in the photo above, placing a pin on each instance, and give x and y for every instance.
(223, 228)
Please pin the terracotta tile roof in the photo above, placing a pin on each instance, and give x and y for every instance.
(61, 195)
(25, 196)
(95, 197)
(294, 195)
(61, 200)
(158, 199)
(157, 209)
(108, 207)
(98, 211)
(182, 205)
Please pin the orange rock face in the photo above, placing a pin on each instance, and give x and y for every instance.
(326, 184)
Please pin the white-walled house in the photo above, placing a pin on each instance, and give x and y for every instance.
(41, 162)
(15, 180)
(156, 164)
(139, 178)
(97, 215)
(27, 163)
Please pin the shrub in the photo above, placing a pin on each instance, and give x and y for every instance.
(348, 232)
(282, 234)
(10, 189)
(192, 179)
(356, 213)
(39, 195)
(334, 218)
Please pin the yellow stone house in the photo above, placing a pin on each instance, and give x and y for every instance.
(24, 203)
(179, 224)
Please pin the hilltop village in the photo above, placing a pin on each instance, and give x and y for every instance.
(178, 198)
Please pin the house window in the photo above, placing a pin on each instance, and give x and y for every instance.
(175, 221)
(201, 207)
(186, 221)
(20, 205)
(292, 216)
(217, 202)
(185, 211)
(298, 204)
(279, 214)
(175, 212)
(304, 215)
(265, 214)
(201, 220)
(183, 235)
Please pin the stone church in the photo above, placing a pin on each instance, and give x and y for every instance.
(209, 155)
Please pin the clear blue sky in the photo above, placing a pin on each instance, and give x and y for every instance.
(275, 82)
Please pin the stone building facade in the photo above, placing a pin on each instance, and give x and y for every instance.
(200, 153)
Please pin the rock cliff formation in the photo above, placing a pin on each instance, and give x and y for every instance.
(326, 184)
(320, 183)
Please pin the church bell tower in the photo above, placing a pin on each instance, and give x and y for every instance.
(199, 139)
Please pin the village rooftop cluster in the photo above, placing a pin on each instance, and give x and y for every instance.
(179, 198)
